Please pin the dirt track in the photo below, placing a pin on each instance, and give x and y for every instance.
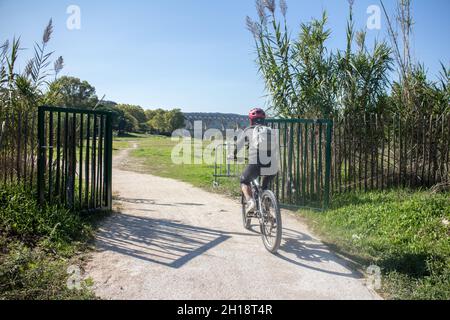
(174, 241)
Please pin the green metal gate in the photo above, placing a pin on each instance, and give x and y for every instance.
(305, 154)
(75, 158)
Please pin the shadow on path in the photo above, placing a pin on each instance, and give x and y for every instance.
(165, 242)
(173, 244)
(309, 253)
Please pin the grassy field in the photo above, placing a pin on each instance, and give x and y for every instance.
(37, 246)
(403, 232)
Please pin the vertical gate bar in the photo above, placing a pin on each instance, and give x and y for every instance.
(50, 157)
(349, 155)
(340, 154)
(417, 145)
(283, 163)
(58, 154)
(360, 153)
(74, 158)
(328, 165)
(424, 135)
(11, 149)
(436, 148)
(365, 152)
(353, 154)
(442, 158)
(394, 167)
(312, 177)
(302, 164)
(430, 143)
(86, 167)
(3, 151)
(388, 154)
(297, 187)
(109, 162)
(93, 160)
(80, 165)
(344, 153)
(277, 179)
(405, 152)
(25, 149)
(66, 172)
(33, 148)
(400, 176)
(319, 173)
(290, 160)
(336, 154)
(333, 166)
(305, 163)
(351, 150)
(447, 151)
(376, 150)
(99, 171)
(18, 145)
(372, 138)
(411, 122)
(383, 141)
(41, 164)
(286, 163)
(105, 165)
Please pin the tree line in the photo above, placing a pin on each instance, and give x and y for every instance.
(74, 93)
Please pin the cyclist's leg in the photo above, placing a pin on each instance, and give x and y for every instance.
(250, 173)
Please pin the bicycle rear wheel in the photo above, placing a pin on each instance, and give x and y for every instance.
(246, 221)
(271, 227)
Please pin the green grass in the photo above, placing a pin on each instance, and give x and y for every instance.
(400, 231)
(37, 245)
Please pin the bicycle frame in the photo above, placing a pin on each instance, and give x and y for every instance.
(256, 191)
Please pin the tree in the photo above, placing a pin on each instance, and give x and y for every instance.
(131, 123)
(136, 111)
(175, 120)
(71, 92)
(165, 122)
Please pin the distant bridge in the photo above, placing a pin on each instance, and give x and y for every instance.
(217, 121)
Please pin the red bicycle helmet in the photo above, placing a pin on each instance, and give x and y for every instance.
(256, 114)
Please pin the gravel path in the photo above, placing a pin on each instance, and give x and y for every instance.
(173, 241)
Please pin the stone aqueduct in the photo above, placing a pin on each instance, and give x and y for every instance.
(220, 122)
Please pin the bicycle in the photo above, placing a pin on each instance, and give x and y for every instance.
(267, 211)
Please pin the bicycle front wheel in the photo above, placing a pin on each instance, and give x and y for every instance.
(271, 226)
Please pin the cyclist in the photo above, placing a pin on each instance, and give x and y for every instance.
(262, 155)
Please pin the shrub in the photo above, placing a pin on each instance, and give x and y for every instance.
(21, 217)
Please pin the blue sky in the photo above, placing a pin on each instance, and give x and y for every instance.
(192, 54)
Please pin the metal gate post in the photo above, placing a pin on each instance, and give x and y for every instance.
(108, 169)
(41, 155)
(328, 165)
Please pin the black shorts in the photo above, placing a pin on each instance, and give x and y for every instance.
(252, 172)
